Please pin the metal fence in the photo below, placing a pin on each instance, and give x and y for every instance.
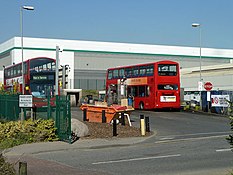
(63, 118)
(60, 112)
(9, 107)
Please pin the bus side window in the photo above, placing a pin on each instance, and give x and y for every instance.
(134, 91)
(128, 72)
(110, 74)
(142, 91)
(142, 71)
(135, 72)
(150, 70)
(25, 68)
(115, 73)
(121, 73)
(11, 72)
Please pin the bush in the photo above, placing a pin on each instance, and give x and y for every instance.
(5, 167)
(16, 132)
(230, 137)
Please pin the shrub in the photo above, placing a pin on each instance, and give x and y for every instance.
(16, 132)
(5, 167)
(230, 137)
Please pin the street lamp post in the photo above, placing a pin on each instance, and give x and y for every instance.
(21, 29)
(200, 84)
(22, 66)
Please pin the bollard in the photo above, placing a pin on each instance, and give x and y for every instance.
(32, 118)
(114, 128)
(142, 125)
(22, 168)
(147, 122)
(85, 115)
(122, 119)
(103, 116)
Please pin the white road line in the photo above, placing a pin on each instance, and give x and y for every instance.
(223, 150)
(167, 138)
(190, 139)
(136, 159)
(197, 134)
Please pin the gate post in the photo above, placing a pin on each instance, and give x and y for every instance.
(49, 106)
(68, 117)
(57, 121)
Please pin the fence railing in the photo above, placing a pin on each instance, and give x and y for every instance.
(60, 112)
(9, 107)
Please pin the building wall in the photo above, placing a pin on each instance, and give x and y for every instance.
(90, 67)
(221, 76)
(89, 60)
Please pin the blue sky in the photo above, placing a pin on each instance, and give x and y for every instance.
(165, 22)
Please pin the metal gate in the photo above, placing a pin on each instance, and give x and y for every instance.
(63, 118)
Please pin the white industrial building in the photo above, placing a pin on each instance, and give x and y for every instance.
(89, 60)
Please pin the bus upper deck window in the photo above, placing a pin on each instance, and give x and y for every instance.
(121, 73)
(135, 71)
(142, 71)
(110, 74)
(128, 72)
(150, 70)
(115, 73)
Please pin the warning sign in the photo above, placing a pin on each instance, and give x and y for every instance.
(220, 100)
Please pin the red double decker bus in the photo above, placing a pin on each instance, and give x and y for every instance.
(153, 85)
(39, 79)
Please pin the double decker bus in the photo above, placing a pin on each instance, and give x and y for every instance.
(39, 79)
(153, 85)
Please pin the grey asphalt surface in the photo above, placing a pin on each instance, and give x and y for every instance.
(36, 166)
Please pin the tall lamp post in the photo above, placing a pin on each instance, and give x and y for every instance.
(21, 29)
(200, 83)
(22, 69)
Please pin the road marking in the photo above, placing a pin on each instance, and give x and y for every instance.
(167, 138)
(223, 150)
(136, 159)
(196, 134)
(191, 139)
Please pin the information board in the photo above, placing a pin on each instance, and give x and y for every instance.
(220, 100)
(25, 101)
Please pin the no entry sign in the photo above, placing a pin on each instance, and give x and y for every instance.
(208, 86)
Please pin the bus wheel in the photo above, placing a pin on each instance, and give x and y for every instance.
(141, 106)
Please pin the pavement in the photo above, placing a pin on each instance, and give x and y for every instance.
(27, 153)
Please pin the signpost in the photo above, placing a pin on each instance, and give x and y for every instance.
(25, 101)
(208, 86)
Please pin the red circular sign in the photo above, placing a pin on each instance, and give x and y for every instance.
(208, 86)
